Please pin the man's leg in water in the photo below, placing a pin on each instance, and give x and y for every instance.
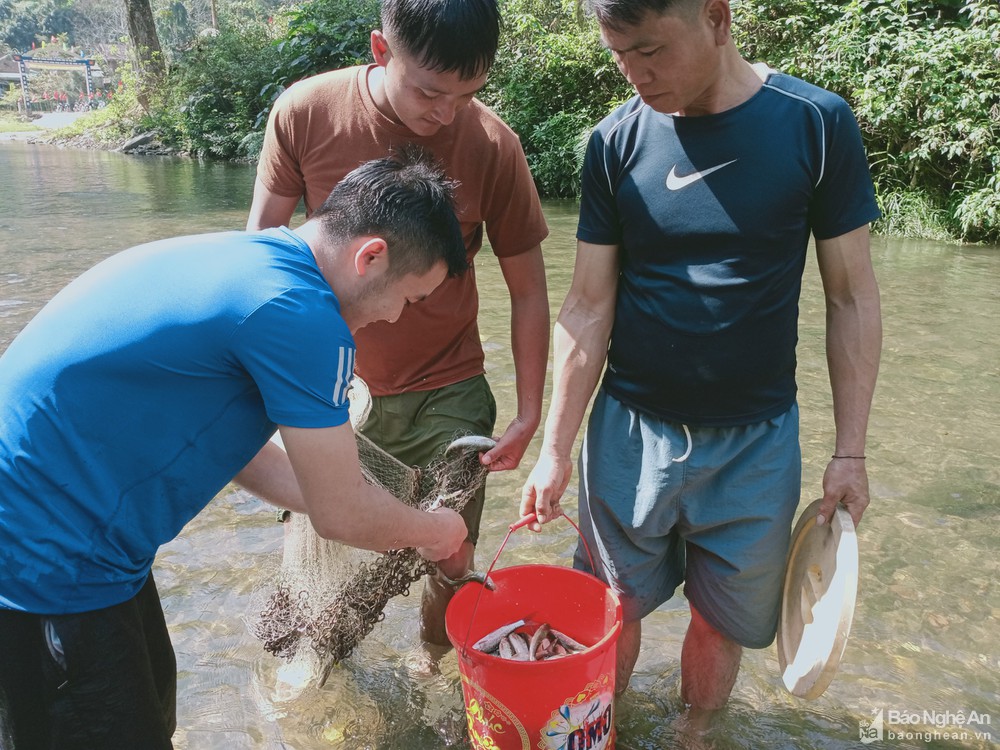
(100, 679)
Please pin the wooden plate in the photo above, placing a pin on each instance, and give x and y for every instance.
(817, 603)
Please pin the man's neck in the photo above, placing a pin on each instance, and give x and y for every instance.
(375, 81)
(311, 233)
(736, 83)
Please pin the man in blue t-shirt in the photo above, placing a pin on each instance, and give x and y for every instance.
(699, 198)
(153, 380)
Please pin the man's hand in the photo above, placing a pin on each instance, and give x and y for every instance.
(544, 488)
(451, 534)
(510, 448)
(845, 481)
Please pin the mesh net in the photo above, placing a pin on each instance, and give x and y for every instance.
(328, 596)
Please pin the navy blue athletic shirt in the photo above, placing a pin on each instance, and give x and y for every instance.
(712, 217)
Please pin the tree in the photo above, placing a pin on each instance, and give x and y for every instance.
(24, 21)
(98, 22)
(146, 47)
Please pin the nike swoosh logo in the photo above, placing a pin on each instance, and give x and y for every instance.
(676, 181)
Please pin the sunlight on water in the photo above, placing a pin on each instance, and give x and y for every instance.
(925, 632)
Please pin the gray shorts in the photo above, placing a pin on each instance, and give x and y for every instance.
(714, 510)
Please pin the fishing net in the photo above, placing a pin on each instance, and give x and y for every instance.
(328, 596)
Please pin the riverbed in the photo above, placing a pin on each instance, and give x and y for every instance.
(927, 623)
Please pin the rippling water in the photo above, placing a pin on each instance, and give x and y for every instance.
(927, 624)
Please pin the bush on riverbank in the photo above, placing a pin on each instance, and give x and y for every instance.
(923, 77)
(552, 82)
(211, 100)
(219, 89)
(924, 81)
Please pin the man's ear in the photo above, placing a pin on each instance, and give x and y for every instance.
(380, 48)
(371, 255)
(721, 20)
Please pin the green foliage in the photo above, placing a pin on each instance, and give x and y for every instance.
(25, 21)
(125, 117)
(910, 213)
(175, 25)
(552, 82)
(11, 96)
(322, 35)
(923, 77)
(115, 123)
(220, 87)
(212, 97)
(315, 37)
(924, 81)
(978, 212)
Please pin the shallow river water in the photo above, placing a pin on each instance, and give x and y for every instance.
(923, 653)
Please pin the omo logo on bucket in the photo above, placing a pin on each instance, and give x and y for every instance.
(584, 722)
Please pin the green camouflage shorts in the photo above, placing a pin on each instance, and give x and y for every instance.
(416, 426)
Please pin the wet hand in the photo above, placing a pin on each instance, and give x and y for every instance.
(544, 489)
(510, 448)
(845, 481)
(450, 534)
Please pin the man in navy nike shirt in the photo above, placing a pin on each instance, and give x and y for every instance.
(699, 198)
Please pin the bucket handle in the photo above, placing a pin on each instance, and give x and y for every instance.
(531, 518)
(519, 524)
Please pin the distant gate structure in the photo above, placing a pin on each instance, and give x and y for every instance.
(50, 63)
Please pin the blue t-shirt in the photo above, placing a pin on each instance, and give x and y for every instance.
(140, 390)
(712, 217)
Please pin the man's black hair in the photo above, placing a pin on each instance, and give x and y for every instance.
(406, 200)
(459, 36)
(618, 14)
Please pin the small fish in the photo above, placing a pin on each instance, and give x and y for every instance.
(520, 645)
(490, 642)
(569, 643)
(474, 575)
(544, 642)
(537, 638)
(476, 443)
(505, 649)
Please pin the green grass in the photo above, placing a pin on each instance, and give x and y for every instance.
(913, 214)
(104, 126)
(13, 124)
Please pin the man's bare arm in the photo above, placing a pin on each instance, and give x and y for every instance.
(320, 475)
(529, 339)
(853, 350)
(269, 209)
(581, 336)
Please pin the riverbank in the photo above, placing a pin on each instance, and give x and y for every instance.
(87, 130)
(41, 128)
(904, 213)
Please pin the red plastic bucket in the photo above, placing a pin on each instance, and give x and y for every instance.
(557, 704)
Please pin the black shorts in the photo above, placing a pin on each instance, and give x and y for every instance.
(101, 679)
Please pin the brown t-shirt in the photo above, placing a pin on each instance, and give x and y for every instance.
(325, 126)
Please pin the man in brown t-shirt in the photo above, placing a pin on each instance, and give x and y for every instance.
(426, 370)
